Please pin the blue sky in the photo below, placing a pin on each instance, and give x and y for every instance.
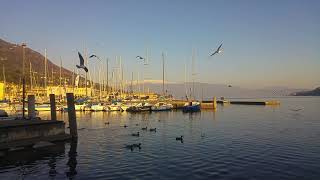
(266, 43)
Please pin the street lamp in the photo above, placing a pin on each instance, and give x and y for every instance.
(23, 45)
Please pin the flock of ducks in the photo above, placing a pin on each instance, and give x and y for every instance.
(137, 134)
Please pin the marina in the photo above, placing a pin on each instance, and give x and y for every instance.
(167, 90)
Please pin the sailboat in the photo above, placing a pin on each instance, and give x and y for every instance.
(191, 106)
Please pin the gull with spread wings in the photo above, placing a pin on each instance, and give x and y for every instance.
(219, 50)
(81, 66)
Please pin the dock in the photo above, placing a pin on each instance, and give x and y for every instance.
(263, 103)
(16, 133)
(23, 133)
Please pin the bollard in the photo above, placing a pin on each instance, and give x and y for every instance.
(72, 116)
(214, 102)
(53, 107)
(31, 107)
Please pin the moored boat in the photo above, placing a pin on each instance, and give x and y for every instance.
(140, 107)
(43, 107)
(192, 106)
(98, 107)
(162, 106)
(116, 106)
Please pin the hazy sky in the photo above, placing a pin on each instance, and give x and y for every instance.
(266, 43)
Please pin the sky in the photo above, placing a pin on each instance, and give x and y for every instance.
(270, 43)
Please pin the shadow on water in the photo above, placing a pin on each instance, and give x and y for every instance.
(27, 157)
(72, 161)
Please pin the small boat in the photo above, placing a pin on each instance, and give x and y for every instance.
(43, 107)
(124, 107)
(162, 106)
(5, 105)
(191, 107)
(116, 106)
(98, 107)
(82, 107)
(140, 107)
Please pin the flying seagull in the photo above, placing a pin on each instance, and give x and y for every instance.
(140, 58)
(82, 66)
(219, 50)
(296, 109)
(92, 56)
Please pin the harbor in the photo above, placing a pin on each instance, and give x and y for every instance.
(168, 90)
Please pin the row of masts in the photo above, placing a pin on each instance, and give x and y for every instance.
(104, 86)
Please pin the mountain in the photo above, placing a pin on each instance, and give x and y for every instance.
(207, 91)
(11, 60)
(315, 92)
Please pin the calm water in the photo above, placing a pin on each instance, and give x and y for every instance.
(234, 142)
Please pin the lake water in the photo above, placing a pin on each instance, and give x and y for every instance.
(233, 142)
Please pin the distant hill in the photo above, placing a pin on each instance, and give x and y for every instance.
(315, 92)
(11, 58)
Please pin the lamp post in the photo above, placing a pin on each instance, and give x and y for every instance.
(23, 79)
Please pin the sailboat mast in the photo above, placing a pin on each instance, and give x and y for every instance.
(86, 64)
(163, 74)
(193, 72)
(45, 69)
(60, 72)
(4, 75)
(131, 82)
(107, 76)
(30, 71)
(99, 77)
(185, 79)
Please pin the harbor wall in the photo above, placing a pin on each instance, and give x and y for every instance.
(29, 129)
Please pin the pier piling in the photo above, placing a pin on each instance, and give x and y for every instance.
(31, 107)
(53, 107)
(72, 116)
(214, 103)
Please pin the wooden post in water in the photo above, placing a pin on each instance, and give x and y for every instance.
(31, 107)
(72, 116)
(53, 107)
(214, 102)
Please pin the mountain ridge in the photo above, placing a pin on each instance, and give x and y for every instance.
(11, 62)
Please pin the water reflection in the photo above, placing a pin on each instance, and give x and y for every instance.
(28, 157)
(72, 161)
(226, 144)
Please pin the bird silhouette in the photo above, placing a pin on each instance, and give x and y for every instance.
(82, 66)
(219, 50)
(93, 55)
(140, 58)
(296, 109)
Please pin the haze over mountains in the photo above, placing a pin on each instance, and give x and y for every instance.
(207, 91)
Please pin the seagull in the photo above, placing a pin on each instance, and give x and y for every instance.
(296, 109)
(93, 55)
(140, 58)
(82, 66)
(219, 50)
